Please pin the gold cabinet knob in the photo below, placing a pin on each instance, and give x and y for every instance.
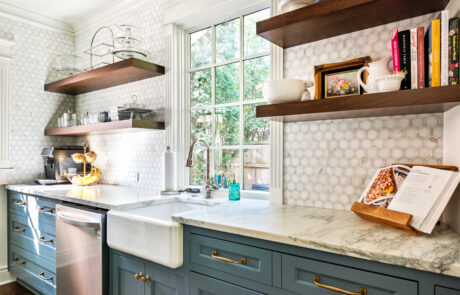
(136, 276)
(147, 277)
(141, 274)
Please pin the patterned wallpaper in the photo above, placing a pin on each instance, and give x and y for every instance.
(122, 156)
(328, 163)
(32, 109)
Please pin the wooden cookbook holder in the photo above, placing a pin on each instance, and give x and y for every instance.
(389, 217)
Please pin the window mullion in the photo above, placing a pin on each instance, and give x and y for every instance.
(241, 152)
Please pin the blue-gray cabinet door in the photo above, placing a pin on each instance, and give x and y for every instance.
(445, 291)
(308, 276)
(163, 283)
(122, 277)
(203, 285)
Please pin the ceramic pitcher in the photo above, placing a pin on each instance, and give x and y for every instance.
(375, 69)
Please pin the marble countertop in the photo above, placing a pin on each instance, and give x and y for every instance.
(340, 232)
(108, 197)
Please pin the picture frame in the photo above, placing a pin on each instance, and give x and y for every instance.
(342, 72)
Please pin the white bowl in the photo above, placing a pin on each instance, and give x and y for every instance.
(389, 83)
(290, 5)
(287, 90)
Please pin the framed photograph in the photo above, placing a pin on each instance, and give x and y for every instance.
(340, 79)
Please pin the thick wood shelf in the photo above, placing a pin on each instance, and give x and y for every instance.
(331, 18)
(122, 72)
(404, 102)
(123, 126)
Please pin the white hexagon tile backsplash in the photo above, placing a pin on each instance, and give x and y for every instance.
(328, 163)
(123, 156)
(32, 109)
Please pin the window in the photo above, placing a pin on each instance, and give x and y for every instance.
(228, 65)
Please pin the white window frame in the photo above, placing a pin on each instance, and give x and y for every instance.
(178, 118)
(240, 103)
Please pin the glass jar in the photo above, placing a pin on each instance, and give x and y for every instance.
(234, 192)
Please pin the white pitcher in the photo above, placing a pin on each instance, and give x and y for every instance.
(375, 69)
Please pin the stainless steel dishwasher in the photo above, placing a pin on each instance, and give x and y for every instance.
(81, 250)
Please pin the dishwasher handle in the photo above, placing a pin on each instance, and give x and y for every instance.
(78, 220)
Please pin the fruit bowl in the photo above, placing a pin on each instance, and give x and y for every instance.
(85, 180)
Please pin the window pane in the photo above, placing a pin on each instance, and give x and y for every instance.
(254, 44)
(201, 51)
(228, 41)
(198, 171)
(201, 88)
(228, 83)
(228, 126)
(256, 131)
(227, 162)
(256, 72)
(201, 125)
(257, 169)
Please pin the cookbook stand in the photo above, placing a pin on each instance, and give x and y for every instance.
(391, 218)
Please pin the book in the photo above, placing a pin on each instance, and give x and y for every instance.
(444, 48)
(404, 57)
(414, 58)
(453, 51)
(420, 191)
(433, 54)
(395, 53)
(421, 57)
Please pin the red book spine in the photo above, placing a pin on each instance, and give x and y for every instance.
(395, 52)
(421, 57)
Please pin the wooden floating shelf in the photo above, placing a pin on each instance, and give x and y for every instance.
(122, 72)
(123, 126)
(331, 18)
(404, 102)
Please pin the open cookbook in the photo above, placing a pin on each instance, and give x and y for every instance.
(420, 191)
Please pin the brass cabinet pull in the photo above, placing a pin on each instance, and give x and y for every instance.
(17, 229)
(139, 276)
(41, 276)
(363, 291)
(44, 210)
(215, 256)
(136, 276)
(19, 203)
(16, 261)
(146, 278)
(46, 241)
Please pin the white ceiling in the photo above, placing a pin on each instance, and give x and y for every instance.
(63, 14)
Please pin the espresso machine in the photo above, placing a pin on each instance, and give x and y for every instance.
(57, 162)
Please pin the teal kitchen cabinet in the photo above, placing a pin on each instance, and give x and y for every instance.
(134, 276)
(32, 241)
(446, 291)
(203, 285)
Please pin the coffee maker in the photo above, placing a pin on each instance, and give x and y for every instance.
(57, 162)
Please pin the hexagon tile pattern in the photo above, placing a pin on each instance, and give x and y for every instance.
(32, 109)
(123, 156)
(327, 164)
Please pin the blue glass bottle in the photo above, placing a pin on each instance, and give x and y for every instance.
(234, 192)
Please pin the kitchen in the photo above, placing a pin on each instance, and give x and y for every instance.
(194, 147)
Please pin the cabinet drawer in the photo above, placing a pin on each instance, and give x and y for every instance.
(40, 243)
(251, 262)
(203, 285)
(445, 291)
(41, 212)
(33, 270)
(298, 275)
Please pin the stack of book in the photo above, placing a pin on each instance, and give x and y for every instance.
(429, 55)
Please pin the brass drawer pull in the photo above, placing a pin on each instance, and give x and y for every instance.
(215, 256)
(17, 229)
(363, 291)
(44, 210)
(42, 239)
(139, 275)
(41, 276)
(16, 261)
(19, 203)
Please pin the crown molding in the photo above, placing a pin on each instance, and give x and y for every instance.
(33, 18)
(106, 14)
